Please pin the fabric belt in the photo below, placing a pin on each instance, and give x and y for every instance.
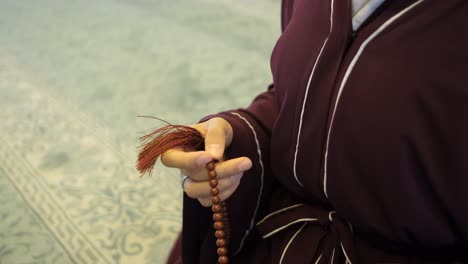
(310, 233)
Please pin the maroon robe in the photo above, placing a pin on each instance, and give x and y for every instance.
(360, 147)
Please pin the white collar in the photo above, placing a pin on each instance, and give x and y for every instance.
(362, 9)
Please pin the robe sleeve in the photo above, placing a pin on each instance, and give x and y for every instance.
(252, 129)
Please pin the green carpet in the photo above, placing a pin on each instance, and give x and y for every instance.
(74, 76)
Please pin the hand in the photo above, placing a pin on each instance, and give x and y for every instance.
(218, 136)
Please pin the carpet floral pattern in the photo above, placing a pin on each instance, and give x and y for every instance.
(74, 76)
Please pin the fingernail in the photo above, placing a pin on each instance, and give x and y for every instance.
(245, 165)
(216, 150)
(203, 159)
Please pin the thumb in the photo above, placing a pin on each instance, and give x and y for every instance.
(218, 137)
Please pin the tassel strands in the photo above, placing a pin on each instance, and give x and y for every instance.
(154, 144)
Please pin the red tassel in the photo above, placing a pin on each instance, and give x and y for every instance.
(154, 144)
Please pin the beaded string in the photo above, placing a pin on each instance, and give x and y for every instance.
(220, 216)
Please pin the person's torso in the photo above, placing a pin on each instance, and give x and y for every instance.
(372, 125)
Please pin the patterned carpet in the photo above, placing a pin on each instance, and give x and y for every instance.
(74, 76)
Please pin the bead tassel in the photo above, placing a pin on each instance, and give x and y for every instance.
(187, 138)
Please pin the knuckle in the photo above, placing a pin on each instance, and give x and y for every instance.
(163, 158)
(196, 175)
(190, 192)
(204, 202)
(190, 195)
(234, 179)
(166, 157)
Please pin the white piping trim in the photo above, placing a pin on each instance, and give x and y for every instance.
(252, 221)
(306, 94)
(351, 227)
(318, 259)
(277, 212)
(346, 255)
(333, 256)
(346, 76)
(330, 215)
(290, 241)
(290, 224)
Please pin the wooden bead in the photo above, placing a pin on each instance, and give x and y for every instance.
(222, 251)
(212, 174)
(221, 242)
(210, 165)
(213, 183)
(223, 260)
(215, 199)
(217, 217)
(216, 208)
(219, 234)
(218, 225)
(214, 191)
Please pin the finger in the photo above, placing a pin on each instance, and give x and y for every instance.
(223, 169)
(176, 158)
(215, 139)
(207, 201)
(232, 167)
(201, 190)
